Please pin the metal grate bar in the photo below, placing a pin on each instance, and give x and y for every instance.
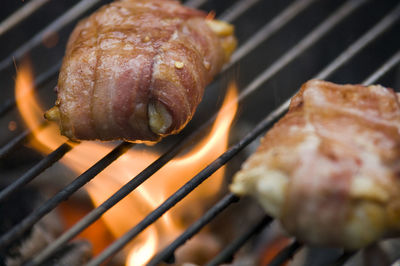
(22, 137)
(343, 259)
(50, 204)
(269, 29)
(285, 254)
(6, 149)
(237, 9)
(345, 10)
(371, 35)
(394, 60)
(69, 16)
(227, 254)
(212, 213)
(195, 3)
(39, 83)
(19, 15)
(45, 163)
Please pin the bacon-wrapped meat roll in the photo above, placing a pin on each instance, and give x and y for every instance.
(329, 169)
(136, 70)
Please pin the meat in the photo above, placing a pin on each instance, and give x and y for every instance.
(329, 169)
(136, 70)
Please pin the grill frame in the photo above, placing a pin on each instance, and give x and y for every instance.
(279, 64)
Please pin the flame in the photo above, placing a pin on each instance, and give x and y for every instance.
(139, 254)
(150, 194)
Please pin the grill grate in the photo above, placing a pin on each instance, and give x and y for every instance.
(168, 252)
(285, 254)
(268, 31)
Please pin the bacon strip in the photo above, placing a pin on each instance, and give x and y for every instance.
(329, 169)
(136, 70)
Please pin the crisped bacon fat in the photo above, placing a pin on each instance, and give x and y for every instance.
(329, 169)
(136, 70)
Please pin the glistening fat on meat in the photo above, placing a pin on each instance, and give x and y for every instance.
(136, 70)
(329, 169)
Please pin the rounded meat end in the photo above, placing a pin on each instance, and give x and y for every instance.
(160, 119)
(53, 114)
(366, 224)
(268, 186)
(225, 32)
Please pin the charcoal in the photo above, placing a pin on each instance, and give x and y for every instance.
(75, 253)
(13, 210)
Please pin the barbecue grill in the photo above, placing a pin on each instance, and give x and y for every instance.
(281, 45)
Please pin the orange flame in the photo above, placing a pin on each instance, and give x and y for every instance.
(150, 194)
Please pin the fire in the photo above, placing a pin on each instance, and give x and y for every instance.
(32, 113)
(150, 194)
(139, 254)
